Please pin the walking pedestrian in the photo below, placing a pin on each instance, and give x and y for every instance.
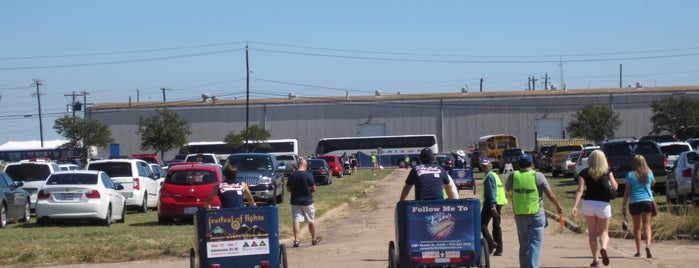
(638, 195)
(302, 186)
(527, 186)
(595, 206)
(493, 200)
(230, 191)
(429, 178)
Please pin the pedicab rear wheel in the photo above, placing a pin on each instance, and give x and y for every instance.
(484, 260)
(192, 257)
(392, 258)
(283, 263)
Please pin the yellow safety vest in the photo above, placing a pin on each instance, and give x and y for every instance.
(500, 197)
(525, 193)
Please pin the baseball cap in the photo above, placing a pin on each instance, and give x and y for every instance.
(485, 162)
(426, 155)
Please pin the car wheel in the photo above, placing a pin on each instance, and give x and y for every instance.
(144, 204)
(280, 198)
(27, 213)
(3, 215)
(108, 218)
(163, 220)
(123, 214)
(339, 175)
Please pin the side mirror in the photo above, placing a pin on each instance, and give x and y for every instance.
(19, 184)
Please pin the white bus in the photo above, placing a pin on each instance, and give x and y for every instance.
(390, 150)
(276, 147)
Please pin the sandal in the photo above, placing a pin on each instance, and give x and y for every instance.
(649, 254)
(296, 243)
(594, 264)
(605, 258)
(316, 241)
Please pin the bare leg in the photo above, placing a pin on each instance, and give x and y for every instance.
(297, 227)
(603, 231)
(312, 230)
(592, 235)
(647, 227)
(637, 231)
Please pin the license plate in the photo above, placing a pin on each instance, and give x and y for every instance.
(190, 210)
(69, 196)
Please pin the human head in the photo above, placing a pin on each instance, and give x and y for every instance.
(230, 172)
(640, 167)
(597, 163)
(524, 163)
(303, 164)
(426, 156)
(486, 164)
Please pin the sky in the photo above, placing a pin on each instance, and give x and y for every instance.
(120, 51)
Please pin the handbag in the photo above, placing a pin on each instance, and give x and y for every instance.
(655, 205)
(609, 192)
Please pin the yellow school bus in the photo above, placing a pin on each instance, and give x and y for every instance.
(492, 146)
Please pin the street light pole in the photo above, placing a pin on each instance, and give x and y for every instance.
(38, 98)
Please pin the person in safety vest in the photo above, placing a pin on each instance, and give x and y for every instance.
(493, 200)
(527, 186)
(429, 178)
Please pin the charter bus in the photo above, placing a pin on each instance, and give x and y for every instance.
(276, 147)
(390, 150)
(492, 146)
(16, 151)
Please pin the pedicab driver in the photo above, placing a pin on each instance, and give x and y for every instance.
(429, 178)
(231, 191)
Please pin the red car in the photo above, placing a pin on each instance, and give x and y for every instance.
(186, 187)
(333, 163)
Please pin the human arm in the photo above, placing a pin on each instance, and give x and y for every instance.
(627, 193)
(405, 191)
(214, 191)
(612, 180)
(452, 192)
(578, 196)
(552, 197)
(248, 195)
(490, 191)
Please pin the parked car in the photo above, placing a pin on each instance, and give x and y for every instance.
(333, 163)
(512, 156)
(262, 174)
(678, 188)
(545, 157)
(203, 158)
(582, 160)
(177, 159)
(320, 171)
(620, 154)
(160, 171)
(140, 184)
(560, 154)
(80, 195)
(149, 158)
(568, 164)
(186, 188)
(14, 201)
(289, 161)
(32, 173)
(694, 142)
(66, 167)
(672, 150)
(444, 160)
(659, 138)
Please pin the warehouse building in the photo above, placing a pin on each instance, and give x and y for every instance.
(458, 119)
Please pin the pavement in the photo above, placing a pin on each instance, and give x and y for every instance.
(357, 234)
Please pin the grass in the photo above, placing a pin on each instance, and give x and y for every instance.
(141, 238)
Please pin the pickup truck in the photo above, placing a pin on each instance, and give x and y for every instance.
(620, 154)
(512, 156)
(262, 173)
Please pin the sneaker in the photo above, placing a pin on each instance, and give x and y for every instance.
(594, 264)
(316, 241)
(605, 258)
(649, 254)
(497, 253)
(296, 244)
(493, 247)
(637, 255)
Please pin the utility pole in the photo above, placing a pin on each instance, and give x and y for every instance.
(481, 84)
(84, 93)
(534, 79)
(163, 89)
(620, 76)
(546, 80)
(38, 99)
(247, 97)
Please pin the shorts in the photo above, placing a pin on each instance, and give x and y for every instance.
(640, 206)
(600, 209)
(305, 214)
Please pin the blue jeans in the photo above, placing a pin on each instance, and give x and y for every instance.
(530, 231)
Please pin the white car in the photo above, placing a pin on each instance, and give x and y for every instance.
(141, 185)
(32, 173)
(582, 159)
(65, 167)
(672, 150)
(80, 194)
(203, 158)
(568, 164)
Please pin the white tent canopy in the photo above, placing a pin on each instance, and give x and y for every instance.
(31, 145)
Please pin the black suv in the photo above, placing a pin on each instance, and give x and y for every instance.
(512, 156)
(262, 173)
(620, 154)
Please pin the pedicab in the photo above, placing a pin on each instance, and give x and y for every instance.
(462, 173)
(237, 237)
(438, 233)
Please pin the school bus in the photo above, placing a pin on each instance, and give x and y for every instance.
(492, 146)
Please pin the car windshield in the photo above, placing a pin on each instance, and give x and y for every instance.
(191, 177)
(251, 162)
(28, 172)
(675, 149)
(113, 169)
(316, 164)
(209, 159)
(72, 178)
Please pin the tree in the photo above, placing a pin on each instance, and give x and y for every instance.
(255, 135)
(82, 133)
(594, 122)
(163, 131)
(677, 116)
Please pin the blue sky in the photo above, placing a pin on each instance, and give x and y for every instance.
(116, 50)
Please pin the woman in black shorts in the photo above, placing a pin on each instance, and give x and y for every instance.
(639, 196)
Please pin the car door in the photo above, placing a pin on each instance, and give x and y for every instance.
(16, 199)
(145, 173)
(117, 199)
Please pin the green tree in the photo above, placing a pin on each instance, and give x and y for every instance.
(82, 133)
(594, 122)
(676, 115)
(255, 135)
(163, 131)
